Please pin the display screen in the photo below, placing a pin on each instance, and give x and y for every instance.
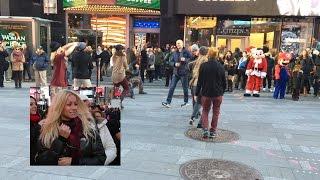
(250, 7)
(146, 24)
(148, 4)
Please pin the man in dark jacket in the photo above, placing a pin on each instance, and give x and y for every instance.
(211, 85)
(26, 65)
(143, 63)
(181, 60)
(82, 62)
(40, 62)
(3, 55)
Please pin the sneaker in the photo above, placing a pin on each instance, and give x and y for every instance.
(199, 126)
(205, 134)
(264, 89)
(167, 105)
(185, 104)
(271, 90)
(191, 121)
(212, 134)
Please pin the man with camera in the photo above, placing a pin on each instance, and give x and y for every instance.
(3, 63)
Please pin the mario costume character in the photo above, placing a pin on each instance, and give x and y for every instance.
(256, 71)
(282, 75)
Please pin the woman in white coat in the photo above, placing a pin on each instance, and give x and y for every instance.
(106, 138)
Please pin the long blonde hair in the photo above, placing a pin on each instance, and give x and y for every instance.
(49, 131)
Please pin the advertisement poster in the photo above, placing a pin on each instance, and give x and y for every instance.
(16, 32)
(291, 38)
(148, 4)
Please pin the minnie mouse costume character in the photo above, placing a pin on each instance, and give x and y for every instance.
(256, 71)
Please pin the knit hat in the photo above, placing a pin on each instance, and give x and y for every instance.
(203, 50)
(119, 47)
(82, 46)
(194, 47)
(54, 46)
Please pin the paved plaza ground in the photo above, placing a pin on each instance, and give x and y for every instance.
(279, 138)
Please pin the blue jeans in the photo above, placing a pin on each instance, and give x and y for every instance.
(69, 73)
(280, 88)
(173, 84)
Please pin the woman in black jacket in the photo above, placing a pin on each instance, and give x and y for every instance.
(34, 129)
(67, 137)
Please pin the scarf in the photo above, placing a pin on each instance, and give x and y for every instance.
(74, 137)
(17, 55)
(35, 118)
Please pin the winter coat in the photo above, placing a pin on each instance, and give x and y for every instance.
(82, 63)
(183, 69)
(195, 69)
(107, 141)
(17, 60)
(40, 62)
(3, 55)
(119, 68)
(151, 62)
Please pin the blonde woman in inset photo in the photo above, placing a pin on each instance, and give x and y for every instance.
(68, 137)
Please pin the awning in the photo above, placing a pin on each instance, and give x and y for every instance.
(111, 9)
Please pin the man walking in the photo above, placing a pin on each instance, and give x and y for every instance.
(181, 59)
(82, 62)
(211, 85)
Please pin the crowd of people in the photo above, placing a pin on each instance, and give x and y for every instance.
(211, 72)
(74, 132)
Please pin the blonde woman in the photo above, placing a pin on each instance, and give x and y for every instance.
(17, 59)
(193, 82)
(68, 137)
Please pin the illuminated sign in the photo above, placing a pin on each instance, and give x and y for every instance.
(74, 3)
(148, 4)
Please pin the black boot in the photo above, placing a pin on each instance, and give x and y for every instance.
(19, 84)
(230, 88)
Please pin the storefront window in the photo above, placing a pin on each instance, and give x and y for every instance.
(79, 21)
(106, 30)
(200, 30)
(296, 34)
(113, 29)
(265, 32)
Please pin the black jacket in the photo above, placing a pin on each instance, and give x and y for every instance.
(3, 55)
(212, 80)
(34, 136)
(92, 152)
(82, 63)
(144, 59)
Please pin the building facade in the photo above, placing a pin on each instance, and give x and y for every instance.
(111, 22)
(242, 24)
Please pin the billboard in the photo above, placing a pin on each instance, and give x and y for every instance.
(147, 4)
(74, 3)
(250, 7)
(16, 32)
